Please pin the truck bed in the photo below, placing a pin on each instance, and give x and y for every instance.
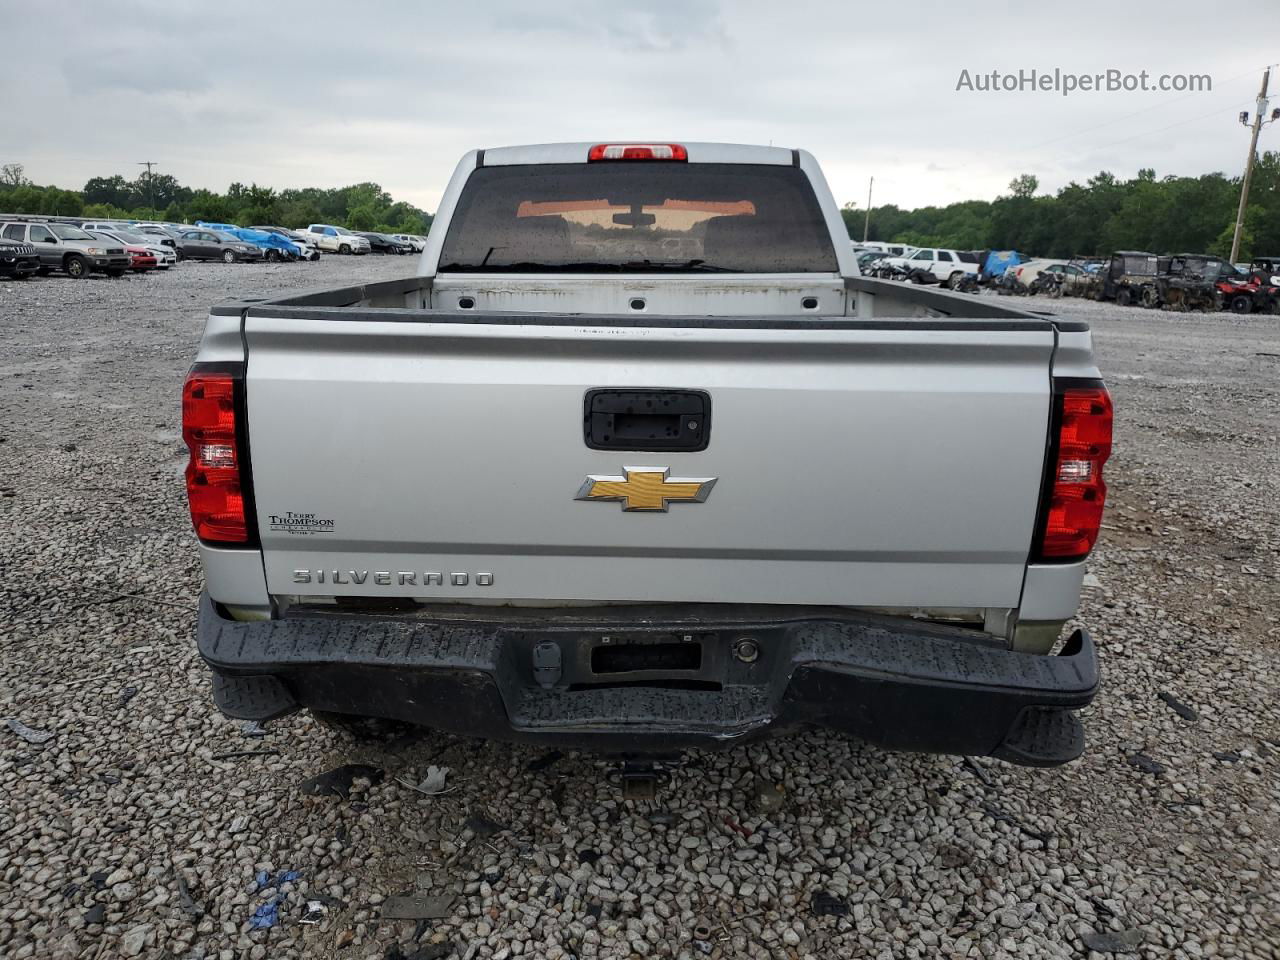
(867, 298)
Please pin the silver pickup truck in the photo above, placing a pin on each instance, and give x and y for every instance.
(638, 463)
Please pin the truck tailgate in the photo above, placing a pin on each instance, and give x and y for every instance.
(867, 463)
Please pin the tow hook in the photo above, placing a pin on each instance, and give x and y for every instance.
(747, 650)
(547, 664)
(640, 779)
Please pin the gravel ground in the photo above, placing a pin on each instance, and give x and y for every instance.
(125, 834)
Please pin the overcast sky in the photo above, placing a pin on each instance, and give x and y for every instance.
(327, 94)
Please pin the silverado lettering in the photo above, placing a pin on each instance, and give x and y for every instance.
(384, 577)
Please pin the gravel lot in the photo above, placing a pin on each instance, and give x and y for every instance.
(125, 835)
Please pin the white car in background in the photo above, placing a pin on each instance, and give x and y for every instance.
(1027, 273)
(418, 243)
(166, 233)
(892, 249)
(336, 239)
(105, 225)
(153, 235)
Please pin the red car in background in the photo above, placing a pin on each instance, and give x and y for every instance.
(141, 259)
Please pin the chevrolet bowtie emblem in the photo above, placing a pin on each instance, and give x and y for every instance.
(647, 488)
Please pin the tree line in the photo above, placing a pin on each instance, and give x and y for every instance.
(1161, 215)
(362, 206)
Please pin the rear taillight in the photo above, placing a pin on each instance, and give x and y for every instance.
(1075, 491)
(216, 479)
(637, 151)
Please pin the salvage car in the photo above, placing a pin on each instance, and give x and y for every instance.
(337, 239)
(386, 243)
(307, 249)
(275, 248)
(91, 225)
(17, 259)
(578, 493)
(165, 256)
(141, 259)
(68, 249)
(889, 249)
(418, 243)
(1057, 279)
(165, 234)
(201, 244)
(1024, 275)
(944, 266)
(867, 260)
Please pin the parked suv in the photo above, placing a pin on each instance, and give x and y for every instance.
(61, 246)
(949, 266)
(337, 239)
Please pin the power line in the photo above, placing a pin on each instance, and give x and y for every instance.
(151, 187)
(1181, 123)
(1126, 116)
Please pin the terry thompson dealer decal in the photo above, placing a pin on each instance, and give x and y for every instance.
(304, 524)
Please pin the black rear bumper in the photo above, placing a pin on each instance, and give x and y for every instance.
(895, 682)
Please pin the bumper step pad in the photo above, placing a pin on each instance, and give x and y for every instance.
(252, 698)
(1043, 737)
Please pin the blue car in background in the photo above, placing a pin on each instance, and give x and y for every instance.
(273, 246)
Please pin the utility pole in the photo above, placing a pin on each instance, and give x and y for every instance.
(1258, 119)
(866, 222)
(151, 187)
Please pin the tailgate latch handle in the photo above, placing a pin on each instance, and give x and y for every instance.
(647, 420)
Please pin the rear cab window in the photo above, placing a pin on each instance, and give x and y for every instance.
(638, 217)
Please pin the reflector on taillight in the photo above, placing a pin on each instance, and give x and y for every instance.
(1075, 492)
(214, 482)
(637, 151)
